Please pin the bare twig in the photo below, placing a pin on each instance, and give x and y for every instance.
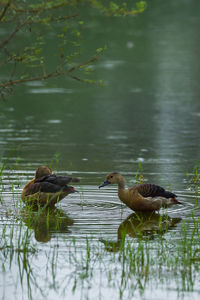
(76, 78)
(12, 34)
(83, 64)
(5, 9)
(14, 82)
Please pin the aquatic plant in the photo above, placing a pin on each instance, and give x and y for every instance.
(145, 252)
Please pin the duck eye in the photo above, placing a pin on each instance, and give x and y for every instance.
(111, 176)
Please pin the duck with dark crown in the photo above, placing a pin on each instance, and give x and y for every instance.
(47, 188)
(141, 197)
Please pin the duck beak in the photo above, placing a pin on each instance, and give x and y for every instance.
(176, 201)
(72, 190)
(106, 182)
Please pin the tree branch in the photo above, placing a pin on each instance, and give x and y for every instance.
(12, 35)
(52, 74)
(52, 19)
(5, 9)
(39, 9)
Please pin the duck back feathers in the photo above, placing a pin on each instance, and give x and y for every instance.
(57, 180)
(152, 190)
(50, 184)
(46, 187)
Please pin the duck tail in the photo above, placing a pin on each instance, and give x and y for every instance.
(75, 179)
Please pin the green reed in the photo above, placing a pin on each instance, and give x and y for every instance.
(127, 265)
(193, 179)
(138, 262)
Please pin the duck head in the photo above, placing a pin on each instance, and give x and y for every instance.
(42, 171)
(70, 189)
(112, 178)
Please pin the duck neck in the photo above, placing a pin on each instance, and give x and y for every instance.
(121, 182)
(122, 192)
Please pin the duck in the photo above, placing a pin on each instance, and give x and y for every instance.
(47, 188)
(144, 197)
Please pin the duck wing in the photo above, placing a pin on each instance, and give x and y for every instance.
(57, 180)
(45, 187)
(152, 190)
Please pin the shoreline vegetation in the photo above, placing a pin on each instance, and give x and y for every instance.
(146, 251)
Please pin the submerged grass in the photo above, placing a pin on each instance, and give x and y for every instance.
(145, 255)
(136, 264)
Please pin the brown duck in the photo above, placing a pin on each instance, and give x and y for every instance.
(47, 188)
(141, 197)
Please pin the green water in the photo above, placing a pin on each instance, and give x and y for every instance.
(148, 113)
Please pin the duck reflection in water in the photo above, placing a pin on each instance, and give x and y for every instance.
(46, 221)
(141, 225)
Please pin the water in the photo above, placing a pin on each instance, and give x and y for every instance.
(148, 114)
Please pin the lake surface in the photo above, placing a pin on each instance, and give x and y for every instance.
(144, 121)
